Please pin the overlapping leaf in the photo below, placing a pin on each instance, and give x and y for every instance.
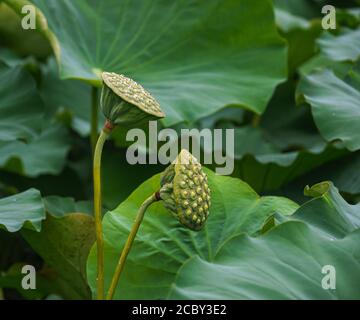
(24, 209)
(71, 96)
(64, 243)
(328, 211)
(30, 143)
(342, 47)
(285, 263)
(222, 262)
(299, 24)
(283, 144)
(163, 246)
(335, 106)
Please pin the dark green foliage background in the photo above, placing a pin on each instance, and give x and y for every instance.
(267, 69)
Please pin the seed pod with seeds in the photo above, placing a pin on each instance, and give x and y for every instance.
(188, 201)
(124, 101)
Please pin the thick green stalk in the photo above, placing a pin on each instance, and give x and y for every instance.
(98, 216)
(128, 244)
(94, 118)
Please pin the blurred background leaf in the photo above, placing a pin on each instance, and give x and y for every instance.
(335, 106)
(64, 243)
(25, 209)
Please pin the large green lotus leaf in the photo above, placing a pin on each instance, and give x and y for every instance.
(335, 107)
(285, 263)
(341, 47)
(195, 57)
(24, 42)
(46, 153)
(162, 245)
(64, 243)
(328, 211)
(59, 206)
(25, 209)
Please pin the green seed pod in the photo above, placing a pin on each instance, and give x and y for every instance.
(187, 200)
(125, 102)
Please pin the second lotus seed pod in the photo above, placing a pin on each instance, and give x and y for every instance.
(185, 191)
(124, 101)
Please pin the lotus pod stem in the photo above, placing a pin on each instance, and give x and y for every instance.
(97, 210)
(120, 266)
(125, 102)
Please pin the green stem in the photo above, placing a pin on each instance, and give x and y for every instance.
(98, 216)
(94, 118)
(128, 244)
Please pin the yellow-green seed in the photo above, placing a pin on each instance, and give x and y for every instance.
(184, 194)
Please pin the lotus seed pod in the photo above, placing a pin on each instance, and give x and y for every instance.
(187, 200)
(125, 102)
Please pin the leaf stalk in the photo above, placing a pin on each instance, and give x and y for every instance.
(121, 263)
(98, 212)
